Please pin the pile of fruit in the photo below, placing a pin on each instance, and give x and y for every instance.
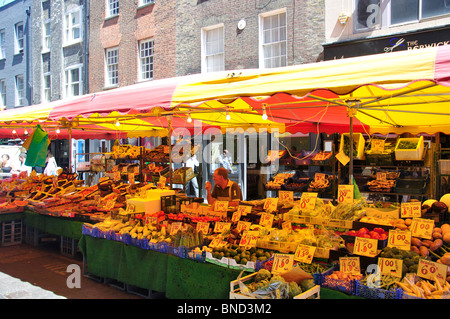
(376, 233)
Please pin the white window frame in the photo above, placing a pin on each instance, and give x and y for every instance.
(112, 8)
(2, 44)
(19, 80)
(70, 28)
(385, 17)
(19, 41)
(146, 62)
(220, 53)
(262, 44)
(69, 83)
(46, 35)
(2, 94)
(143, 3)
(112, 67)
(46, 90)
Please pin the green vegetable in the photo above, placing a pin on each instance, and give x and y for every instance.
(294, 289)
(307, 284)
(262, 274)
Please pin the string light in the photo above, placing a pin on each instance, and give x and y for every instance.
(117, 123)
(228, 117)
(25, 132)
(14, 131)
(264, 116)
(58, 130)
(189, 119)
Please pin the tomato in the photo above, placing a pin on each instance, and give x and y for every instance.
(383, 236)
(373, 234)
(363, 231)
(352, 233)
(379, 230)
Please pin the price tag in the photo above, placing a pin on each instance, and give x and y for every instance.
(136, 169)
(271, 204)
(244, 210)
(381, 176)
(220, 227)
(286, 196)
(304, 253)
(342, 158)
(400, 239)
(422, 228)
(175, 227)
(220, 206)
(115, 168)
(365, 247)
(217, 242)
(282, 263)
(266, 220)
(125, 169)
(117, 176)
(350, 265)
(203, 227)
(345, 194)
(131, 178)
(377, 145)
(286, 225)
(432, 270)
(319, 177)
(248, 239)
(411, 210)
(242, 226)
(278, 180)
(110, 204)
(390, 266)
(308, 201)
(236, 216)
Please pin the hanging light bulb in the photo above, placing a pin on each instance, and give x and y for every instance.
(14, 131)
(58, 130)
(117, 123)
(228, 117)
(264, 116)
(25, 132)
(189, 119)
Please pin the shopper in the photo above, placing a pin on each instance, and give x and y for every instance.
(51, 168)
(192, 162)
(224, 189)
(225, 161)
(22, 167)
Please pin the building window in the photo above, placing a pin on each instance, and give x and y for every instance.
(19, 38)
(112, 66)
(2, 44)
(213, 49)
(20, 90)
(2, 94)
(369, 13)
(46, 87)
(72, 26)
(46, 36)
(144, 2)
(112, 8)
(146, 60)
(73, 81)
(274, 40)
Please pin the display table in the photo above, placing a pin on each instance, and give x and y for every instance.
(54, 225)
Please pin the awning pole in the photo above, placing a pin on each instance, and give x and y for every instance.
(169, 138)
(352, 106)
(70, 149)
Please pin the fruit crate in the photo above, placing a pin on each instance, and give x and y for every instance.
(11, 232)
(345, 286)
(171, 204)
(377, 293)
(68, 246)
(313, 293)
(360, 143)
(415, 154)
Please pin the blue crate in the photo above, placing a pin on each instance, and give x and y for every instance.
(376, 293)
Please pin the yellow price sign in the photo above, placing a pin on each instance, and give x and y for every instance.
(282, 263)
(175, 227)
(304, 253)
(271, 204)
(203, 227)
(216, 242)
(248, 240)
(244, 210)
(411, 210)
(286, 225)
(266, 220)
(220, 227)
(242, 226)
(422, 228)
(431, 270)
(319, 177)
(377, 145)
(345, 194)
(308, 201)
(400, 239)
(220, 206)
(365, 247)
(236, 216)
(350, 265)
(286, 196)
(390, 266)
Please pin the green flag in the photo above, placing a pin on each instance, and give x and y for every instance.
(37, 151)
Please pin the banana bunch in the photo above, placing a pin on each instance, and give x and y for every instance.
(126, 151)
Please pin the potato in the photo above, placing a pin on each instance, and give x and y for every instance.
(437, 230)
(445, 228)
(436, 244)
(408, 221)
(401, 226)
(427, 243)
(415, 249)
(437, 235)
(446, 237)
(416, 242)
(423, 251)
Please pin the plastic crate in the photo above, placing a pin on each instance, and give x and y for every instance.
(360, 143)
(410, 154)
(68, 246)
(345, 286)
(411, 186)
(313, 293)
(377, 293)
(11, 232)
(171, 204)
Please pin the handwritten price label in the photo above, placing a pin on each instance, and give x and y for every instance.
(390, 266)
(217, 242)
(221, 227)
(110, 204)
(236, 216)
(176, 227)
(282, 263)
(286, 196)
(345, 194)
(117, 176)
(400, 239)
(411, 210)
(244, 210)
(304, 253)
(319, 177)
(203, 227)
(432, 270)
(350, 265)
(242, 226)
(286, 225)
(131, 178)
(270, 204)
(220, 206)
(377, 145)
(365, 247)
(381, 176)
(248, 240)
(308, 201)
(422, 228)
(266, 220)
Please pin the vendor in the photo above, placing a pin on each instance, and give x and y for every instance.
(224, 189)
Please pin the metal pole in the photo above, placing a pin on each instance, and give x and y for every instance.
(70, 149)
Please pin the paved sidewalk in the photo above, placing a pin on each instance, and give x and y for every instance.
(13, 288)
